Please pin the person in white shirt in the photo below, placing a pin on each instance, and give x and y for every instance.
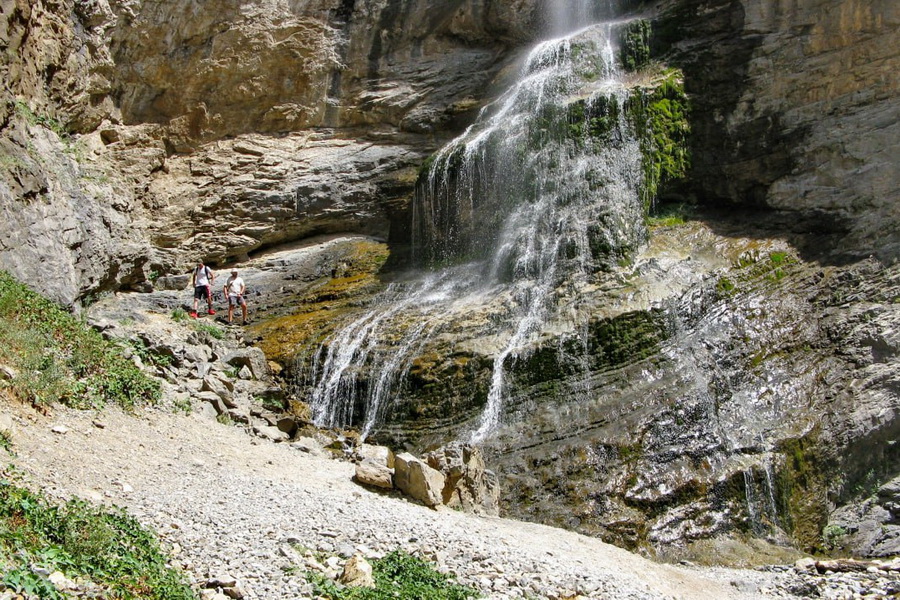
(202, 281)
(234, 291)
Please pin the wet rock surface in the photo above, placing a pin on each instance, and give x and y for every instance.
(705, 401)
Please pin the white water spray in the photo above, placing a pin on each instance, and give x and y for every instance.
(537, 194)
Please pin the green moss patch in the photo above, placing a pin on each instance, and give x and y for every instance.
(660, 115)
(803, 492)
(325, 306)
(634, 44)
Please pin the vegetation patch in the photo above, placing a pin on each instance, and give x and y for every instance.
(107, 550)
(56, 357)
(803, 493)
(669, 215)
(33, 119)
(398, 576)
(660, 116)
(214, 331)
(634, 45)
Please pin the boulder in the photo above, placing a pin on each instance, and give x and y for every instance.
(308, 445)
(369, 472)
(270, 433)
(214, 399)
(417, 480)
(252, 358)
(287, 425)
(8, 373)
(220, 387)
(357, 573)
(7, 425)
(379, 454)
(172, 282)
(207, 411)
(468, 484)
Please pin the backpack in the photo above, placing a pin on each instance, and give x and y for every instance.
(208, 274)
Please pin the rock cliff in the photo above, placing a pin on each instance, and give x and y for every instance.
(149, 133)
(725, 387)
(796, 110)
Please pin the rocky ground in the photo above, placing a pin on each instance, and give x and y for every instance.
(234, 507)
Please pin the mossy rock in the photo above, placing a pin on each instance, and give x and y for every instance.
(660, 115)
(634, 44)
(328, 303)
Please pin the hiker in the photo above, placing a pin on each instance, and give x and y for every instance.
(202, 281)
(234, 291)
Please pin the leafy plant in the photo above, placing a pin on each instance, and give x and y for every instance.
(58, 358)
(661, 118)
(725, 286)
(212, 330)
(6, 441)
(25, 581)
(398, 576)
(24, 111)
(148, 355)
(178, 315)
(105, 546)
(832, 534)
(670, 215)
(183, 405)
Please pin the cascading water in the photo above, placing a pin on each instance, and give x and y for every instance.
(516, 215)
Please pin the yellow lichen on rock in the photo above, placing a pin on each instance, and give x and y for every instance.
(328, 303)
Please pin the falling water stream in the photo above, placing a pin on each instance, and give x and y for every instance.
(510, 220)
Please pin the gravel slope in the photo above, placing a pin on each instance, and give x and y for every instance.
(236, 506)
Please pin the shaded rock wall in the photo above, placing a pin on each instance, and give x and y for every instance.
(796, 109)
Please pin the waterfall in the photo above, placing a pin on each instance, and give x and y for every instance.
(762, 510)
(511, 218)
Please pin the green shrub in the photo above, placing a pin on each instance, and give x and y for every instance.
(6, 441)
(59, 359)
(398, 576)
(107, 547)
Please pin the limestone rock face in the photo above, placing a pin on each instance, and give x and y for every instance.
(116, 169)
(869, 527)
(468, 485)
(796, 108)
(369, 472)
(138, 134)
(357, 573)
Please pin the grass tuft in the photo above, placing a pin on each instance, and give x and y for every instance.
(398, 576)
